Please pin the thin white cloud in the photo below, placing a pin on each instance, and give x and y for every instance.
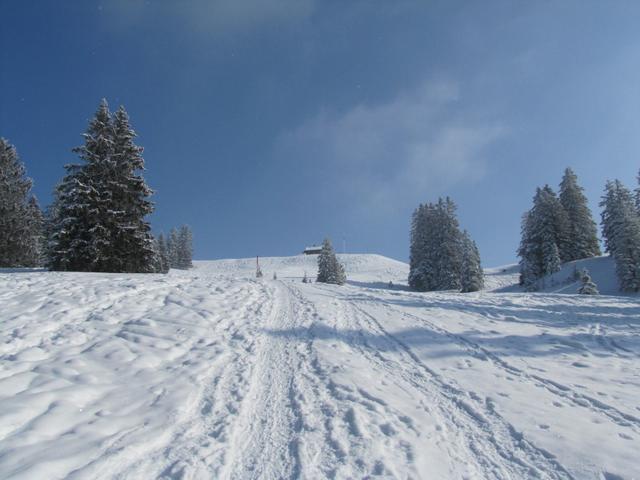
(215, 16)
(412, 148)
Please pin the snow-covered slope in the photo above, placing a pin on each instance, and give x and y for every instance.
(212, 374)
(366, 268)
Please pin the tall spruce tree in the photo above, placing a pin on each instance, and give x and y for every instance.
(173, 248)
(185, 248)
(20, 216)
(35, 244)
(544, 233)
(132, 239)
(98, 222)
(162, 260)
(621, 231)
(471, 274)
(417, 260)
(449, 247)
(80, 226)
(583, 235)
(330, 270)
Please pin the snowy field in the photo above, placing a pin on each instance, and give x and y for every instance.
(212, 374)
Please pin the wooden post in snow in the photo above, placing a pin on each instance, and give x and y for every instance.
(258, 271)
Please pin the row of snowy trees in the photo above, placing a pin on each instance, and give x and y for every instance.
(21, 220)
(442, 256)
(97, 221)
(176, 251)
(557, 229)
(621, 232)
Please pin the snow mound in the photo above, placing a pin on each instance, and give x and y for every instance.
(602, 271)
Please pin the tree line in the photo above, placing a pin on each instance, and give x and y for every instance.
(560, 228)
(97, 221)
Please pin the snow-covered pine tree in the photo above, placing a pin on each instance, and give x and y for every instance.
(529, 273)
(583, 235)
(98, 221)
(35, 244)
(560, 220)
(436, 251)
(184, 248)
(95, 248)
(471, 274)
(448, 247)
(172, 248)
(19, 221)
(543, 231)
(621, 230)
(329, 269)
(162, 262)
(422, 272)
(132, 243)
(588, 287)
(79, 225)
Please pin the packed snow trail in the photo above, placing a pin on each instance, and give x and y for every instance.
(212, 374)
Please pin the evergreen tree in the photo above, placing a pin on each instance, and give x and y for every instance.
(184, 250)
(583, 236)
(543, 234)
(588, 286)
(560, 221)
(98, 223)
(329, 269)
(172, 248)
(448, 247)
(20, 220)
(132, 242)
(621, 230)
(417, 280)
(436, 252)
(162, 262)
(35, 244)
(471, 274)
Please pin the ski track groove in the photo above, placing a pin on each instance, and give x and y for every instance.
(567, 393)
(499, 436)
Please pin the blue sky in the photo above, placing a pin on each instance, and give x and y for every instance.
(269, 124)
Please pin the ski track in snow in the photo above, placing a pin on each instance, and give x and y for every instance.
(211, 374)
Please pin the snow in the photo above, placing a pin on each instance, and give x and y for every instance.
(210, 373)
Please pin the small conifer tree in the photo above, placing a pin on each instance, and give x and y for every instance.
(329, 269)
(588, 286)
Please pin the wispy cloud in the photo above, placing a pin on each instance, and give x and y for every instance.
(409, 149)
(215, 16)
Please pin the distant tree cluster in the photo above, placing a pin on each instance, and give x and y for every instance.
(621, 232)
(21, 220)
(176, 251)
(442, 256)
(330, 270)
(557, 229)
(97, 221)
